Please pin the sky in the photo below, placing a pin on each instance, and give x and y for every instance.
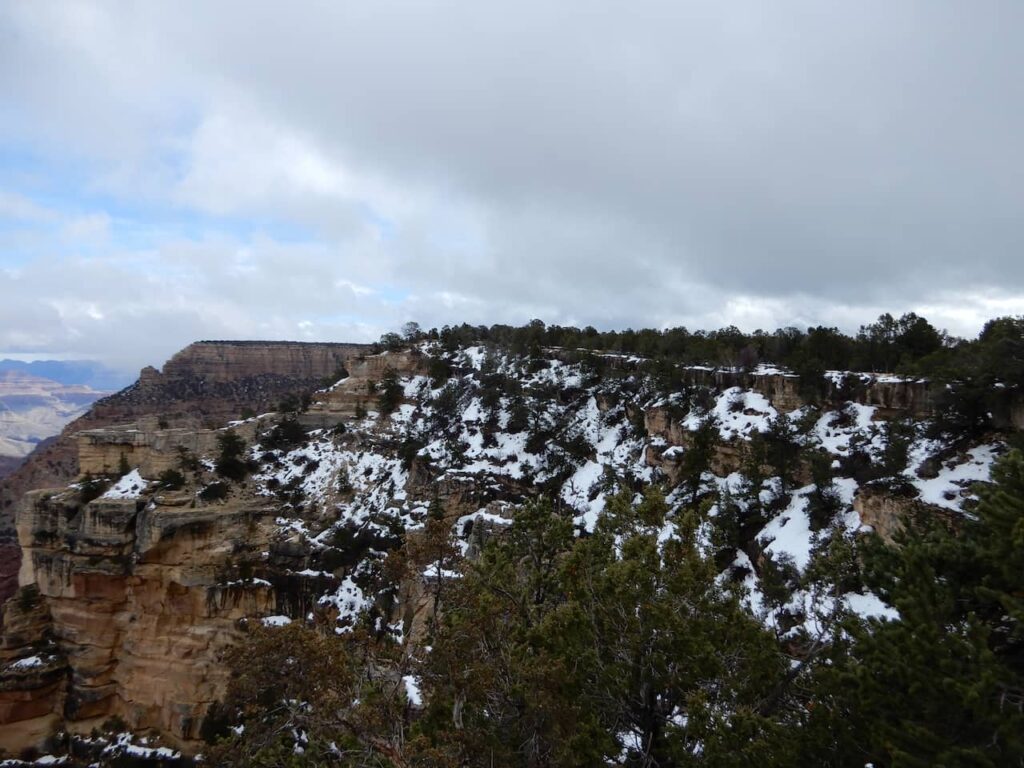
(173, 171)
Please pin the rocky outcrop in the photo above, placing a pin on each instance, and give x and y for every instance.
(894, 396)
(142, 595)
(149, 448)
(888, 512)
(204, 385)
(224, 361)
(32, 673)
(666, 453)
(781, 388)
(358, 389)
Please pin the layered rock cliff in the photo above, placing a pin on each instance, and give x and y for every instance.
(205, 384)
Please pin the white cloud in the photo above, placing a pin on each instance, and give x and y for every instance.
(340, 170)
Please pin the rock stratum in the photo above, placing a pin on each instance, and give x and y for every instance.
(208, 382)
(130, 588)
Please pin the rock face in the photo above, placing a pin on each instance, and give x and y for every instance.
(894, 396)
(224, 361)
(348, 395)
(204, 385)
(781, 388)
(888, 513)
(149, 448)
(142, 595)
(32, 674)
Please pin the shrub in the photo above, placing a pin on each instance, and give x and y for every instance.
(294, 403)
(408, 451)
(92, 488)
(439, 370)
(171, 480)
(285, 435)
(390, 392)
(230, 463)
(214, 492)
(187, 461)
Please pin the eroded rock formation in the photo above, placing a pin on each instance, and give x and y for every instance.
(204, 385)
(141, 593)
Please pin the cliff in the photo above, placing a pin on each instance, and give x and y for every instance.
(141, 597)
(226, 361)
(358, 388)
(204, 385)
(895, 396)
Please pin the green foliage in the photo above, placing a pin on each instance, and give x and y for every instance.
(945, 684)
(446, 406)
(551, 645)
(28, 597)
(698, 456)
(286, 434)
(824, 502)
(343, 483)
(230, 462)
(187, 461)
(171, 480)
(215, 492)
(409, 451)
(782, 450)
(295, 403)
(91, 487)
(896, 454)
(392, 342)
(439, 370)
(518, 415)
(389, 391)
(294, 686)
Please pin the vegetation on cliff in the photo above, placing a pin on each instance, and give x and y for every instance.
(626, 647)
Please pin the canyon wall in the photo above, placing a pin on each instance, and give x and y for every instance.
(141, 596)
(225, 361)
(204, 385)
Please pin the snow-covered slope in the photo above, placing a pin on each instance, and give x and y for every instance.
(503, 429)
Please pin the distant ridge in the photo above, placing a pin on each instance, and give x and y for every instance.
(70, 372)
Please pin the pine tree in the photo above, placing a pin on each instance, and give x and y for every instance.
(389, 391)
(943, 685)
(698, 457)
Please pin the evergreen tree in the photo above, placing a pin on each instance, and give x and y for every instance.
(698, 456)
(943, 685)
(389, 391)
(230, 461)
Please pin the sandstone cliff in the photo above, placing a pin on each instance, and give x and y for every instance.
(141, 596)
(205, 384)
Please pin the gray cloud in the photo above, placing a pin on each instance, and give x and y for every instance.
(617, 164)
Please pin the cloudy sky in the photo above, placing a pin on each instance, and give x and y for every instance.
(328, 170)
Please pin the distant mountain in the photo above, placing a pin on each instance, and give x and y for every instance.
(71, 372)
(34, 408)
